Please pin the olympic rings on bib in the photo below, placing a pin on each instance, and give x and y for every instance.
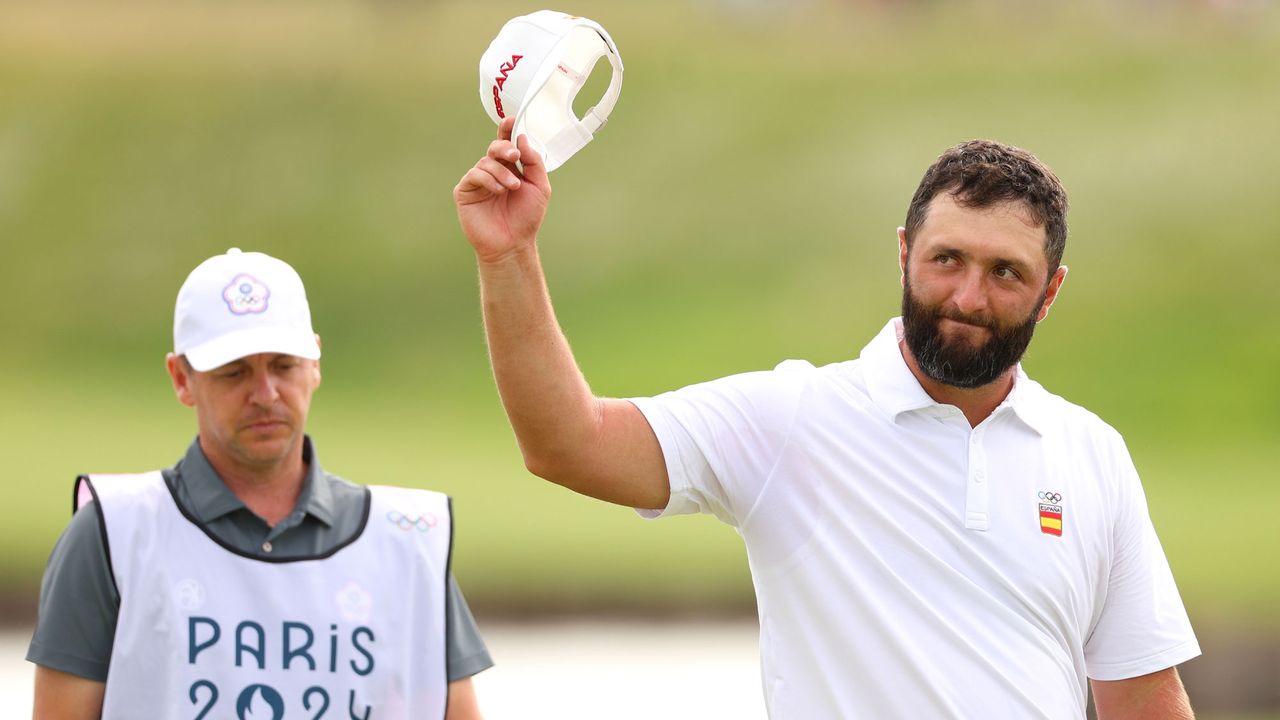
(423, 523)
(1051, 497)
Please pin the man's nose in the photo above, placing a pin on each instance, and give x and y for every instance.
(971, 296)
(264, 391)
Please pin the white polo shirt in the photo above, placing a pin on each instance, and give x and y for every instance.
(907, 565)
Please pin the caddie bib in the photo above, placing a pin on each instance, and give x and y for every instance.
(206, 633)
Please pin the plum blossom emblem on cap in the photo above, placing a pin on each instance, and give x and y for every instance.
(246, 295)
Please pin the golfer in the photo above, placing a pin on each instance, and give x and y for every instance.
(931, 533)
(246, 581)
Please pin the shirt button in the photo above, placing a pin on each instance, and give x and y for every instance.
(266, 546)
(978, 478)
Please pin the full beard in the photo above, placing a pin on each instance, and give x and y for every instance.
(959, 363)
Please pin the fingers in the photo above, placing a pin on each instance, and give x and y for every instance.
(475, 186)
(505, 127)
(525, 153)
(534, 169)
(493, 174)
(487, 179)
(500, 172)
(504, 151)
(497, 173)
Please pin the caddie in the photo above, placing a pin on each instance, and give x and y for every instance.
(931, 533)
(246, 581)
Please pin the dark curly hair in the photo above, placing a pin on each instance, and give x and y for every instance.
(982, 173)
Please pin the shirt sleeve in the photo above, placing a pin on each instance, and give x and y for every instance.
(721, 439)
(465, 653)
(79, 604)
(1143, 627)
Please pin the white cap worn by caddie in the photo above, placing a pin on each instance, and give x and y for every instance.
(238, 304)
(534, 70)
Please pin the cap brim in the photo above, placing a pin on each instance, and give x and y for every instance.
(236, 345)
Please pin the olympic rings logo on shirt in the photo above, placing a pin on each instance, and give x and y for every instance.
(1051, 497)
(423, 523)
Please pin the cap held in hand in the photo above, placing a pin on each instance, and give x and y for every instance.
(534, 70)
(240, 304)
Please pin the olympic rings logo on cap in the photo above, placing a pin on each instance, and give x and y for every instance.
(1051, 497)
(246, 294)
(423, 523)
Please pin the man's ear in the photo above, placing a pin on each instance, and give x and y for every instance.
(1051, 293)
(902, 255)
(180, 373)
(320, 345)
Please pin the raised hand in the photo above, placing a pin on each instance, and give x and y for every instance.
(499, 206)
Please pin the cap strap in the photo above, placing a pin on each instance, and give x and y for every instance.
(595, 118)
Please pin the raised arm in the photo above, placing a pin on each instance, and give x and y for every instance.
(596, 446)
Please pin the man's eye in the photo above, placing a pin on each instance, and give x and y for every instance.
(943, 259)
(1006, 273)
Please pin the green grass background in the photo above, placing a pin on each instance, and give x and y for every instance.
(738, 210)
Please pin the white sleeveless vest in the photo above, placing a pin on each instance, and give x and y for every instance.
(205, 633)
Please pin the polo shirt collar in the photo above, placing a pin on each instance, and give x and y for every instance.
(1029, 401)
(895, 390)
(211, 498)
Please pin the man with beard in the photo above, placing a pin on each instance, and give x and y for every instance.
(930, 532)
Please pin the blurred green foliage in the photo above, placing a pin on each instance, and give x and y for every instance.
(738, 210)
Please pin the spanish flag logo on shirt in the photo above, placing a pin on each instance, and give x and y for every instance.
(1051, 513)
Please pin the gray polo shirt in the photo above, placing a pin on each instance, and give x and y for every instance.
(78, 597)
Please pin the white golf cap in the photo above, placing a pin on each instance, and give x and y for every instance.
(238, 304)
(534, 70)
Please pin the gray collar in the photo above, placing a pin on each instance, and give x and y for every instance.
(209, 498)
